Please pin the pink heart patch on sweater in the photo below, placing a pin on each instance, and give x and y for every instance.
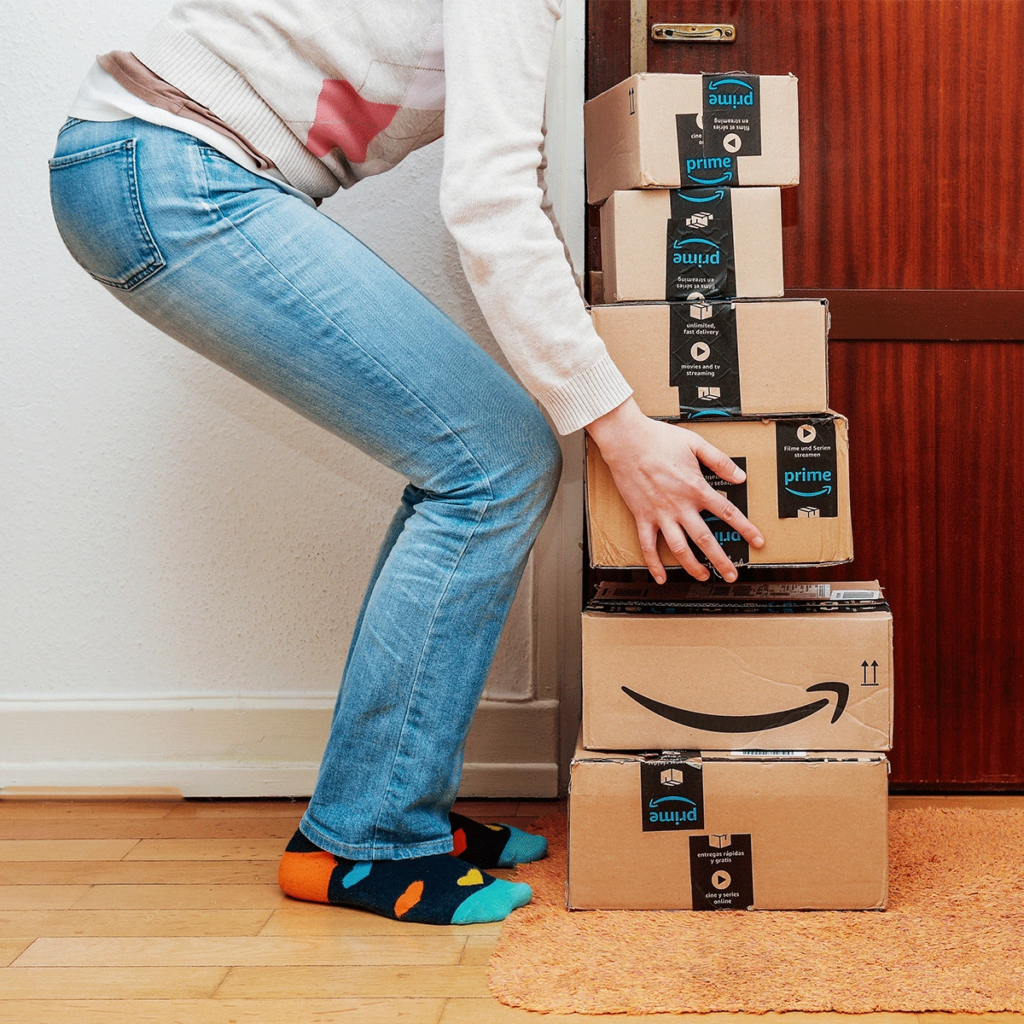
(347, 121)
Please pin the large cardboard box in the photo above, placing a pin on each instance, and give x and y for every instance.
(689, 831)
(697, 360)
(790, 666)
(797, 493)
(716, 243)
(671, 131)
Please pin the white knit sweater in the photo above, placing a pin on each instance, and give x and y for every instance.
(335, 90)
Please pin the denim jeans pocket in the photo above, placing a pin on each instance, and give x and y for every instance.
(96, 203)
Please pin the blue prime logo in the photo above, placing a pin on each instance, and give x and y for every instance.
(721, 95)
(680, 812)
(697, 252)
(809, 476)
(710, 163)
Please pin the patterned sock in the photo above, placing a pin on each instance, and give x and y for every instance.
(429, 890)
(494, 846)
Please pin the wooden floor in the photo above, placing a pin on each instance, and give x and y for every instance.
(169, 913)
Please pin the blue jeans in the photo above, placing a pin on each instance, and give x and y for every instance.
(266, 286)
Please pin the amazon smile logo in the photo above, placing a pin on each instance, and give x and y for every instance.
(703, 199)
(748, 723)
(671, 799)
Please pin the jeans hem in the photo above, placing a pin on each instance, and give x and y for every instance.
(374, 851)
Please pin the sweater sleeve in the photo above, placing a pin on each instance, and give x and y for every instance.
(496, 63)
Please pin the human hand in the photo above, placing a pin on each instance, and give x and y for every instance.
(655, 467)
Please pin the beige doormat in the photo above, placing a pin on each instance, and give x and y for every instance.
(952, 938)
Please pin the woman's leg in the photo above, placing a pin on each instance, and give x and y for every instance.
(279, 294)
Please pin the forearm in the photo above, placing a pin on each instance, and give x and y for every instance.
(496, 65)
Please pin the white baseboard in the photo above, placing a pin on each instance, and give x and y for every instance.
(213, 779)
(238, 747)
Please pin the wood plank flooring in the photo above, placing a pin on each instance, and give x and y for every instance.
(158, 912)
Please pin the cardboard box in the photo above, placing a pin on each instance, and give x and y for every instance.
(751, 666)
(797, 493)
(717, 832)
(672, 131)
(697, 360)
(716, 243)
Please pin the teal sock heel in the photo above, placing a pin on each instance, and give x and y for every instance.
(521, 848)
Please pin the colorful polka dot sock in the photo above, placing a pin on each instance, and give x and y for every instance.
(429, 890)
(494, 846)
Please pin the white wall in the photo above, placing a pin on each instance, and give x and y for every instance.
(179, 552)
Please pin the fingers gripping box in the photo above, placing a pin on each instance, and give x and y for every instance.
(698, 360)
(684, 830)
(750, 666)
(797, 493)
(717, 243)
(690, 131)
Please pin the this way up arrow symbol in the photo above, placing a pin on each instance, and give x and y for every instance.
(874, 672)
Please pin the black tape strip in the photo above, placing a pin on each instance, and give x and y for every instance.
(807, 467)
(671, 796)
(700, 256)
(729, 126)
(704, 359)
(730, 540)
(731, 115)
(722, 872)
(623, 606)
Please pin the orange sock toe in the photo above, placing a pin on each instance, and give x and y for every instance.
(306, 876)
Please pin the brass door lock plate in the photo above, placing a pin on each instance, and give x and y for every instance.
(693, 33)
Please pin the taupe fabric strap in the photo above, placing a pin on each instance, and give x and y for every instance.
(134, 76)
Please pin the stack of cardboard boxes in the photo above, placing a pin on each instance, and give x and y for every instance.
(733, 746)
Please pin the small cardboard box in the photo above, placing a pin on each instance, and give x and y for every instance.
(672, 131)
(691, 831)
(751, 666)
(797, 493)
(716, 243)
(697, 360)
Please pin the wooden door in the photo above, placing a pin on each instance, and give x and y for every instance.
(908, 217)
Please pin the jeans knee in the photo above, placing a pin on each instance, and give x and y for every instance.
(549, 461)
(533, 462)
(512, 464)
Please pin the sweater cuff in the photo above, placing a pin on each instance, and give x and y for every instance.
(591, 393)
